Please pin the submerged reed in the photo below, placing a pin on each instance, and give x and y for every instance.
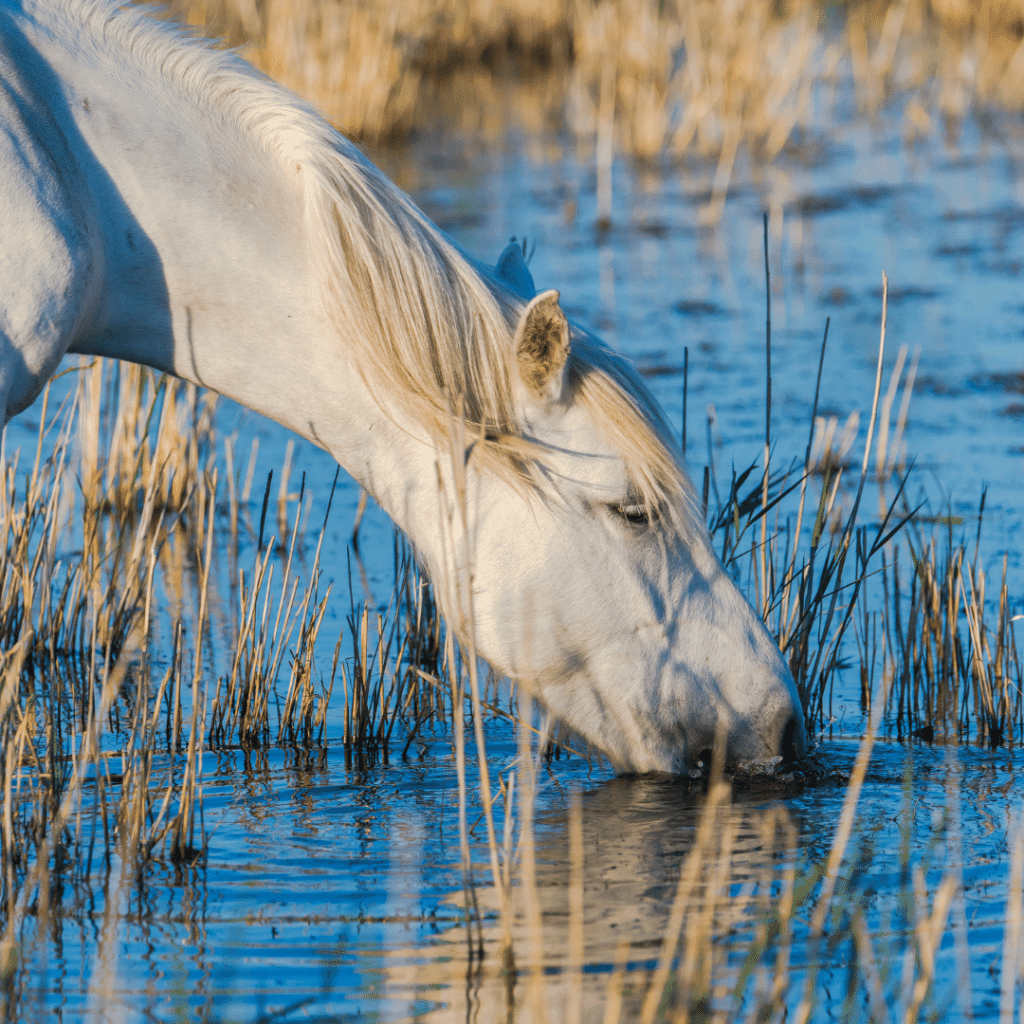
(755, 929)
(814, 574)
(107, 579)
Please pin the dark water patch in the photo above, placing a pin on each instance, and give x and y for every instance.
(737, 191)
(1008, 215)
(815, 206)
(958, 251)
(551, 199)
(906, 293)
(932, 384)
(699, 308)
(814, 149)
(1011, 383)
(653, 228)
(837, 296)
(1009, 268)
(453, 222)
(656, 364)
(659, 369)
(1015, 410)
(818, 204)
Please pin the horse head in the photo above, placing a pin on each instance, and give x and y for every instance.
(599, 590)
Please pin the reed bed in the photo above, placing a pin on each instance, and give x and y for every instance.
(720, 81)
(109, 569)
(796, 538)
(108, 575)
(951, 652)
(101, 765)
(914, 601)
(147, 500)
(755, 929)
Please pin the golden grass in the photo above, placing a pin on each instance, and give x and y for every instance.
(102, 763)
(753, 922)
(951, 656)
(107, 569)
(562, 931)
(654, 79)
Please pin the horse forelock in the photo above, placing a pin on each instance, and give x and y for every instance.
(429, 329)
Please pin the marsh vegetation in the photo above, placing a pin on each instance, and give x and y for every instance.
(173, 645)
(659, 81)
(114, 704)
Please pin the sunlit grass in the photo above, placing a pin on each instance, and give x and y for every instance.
(108, 533)
(659, 80)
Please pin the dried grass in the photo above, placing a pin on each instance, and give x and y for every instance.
(654, 79)
(756, 929)
(536, 950)
(107, 552)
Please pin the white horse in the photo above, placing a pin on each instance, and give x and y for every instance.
(161, 202)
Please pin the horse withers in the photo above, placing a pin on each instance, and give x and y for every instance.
(162, 202)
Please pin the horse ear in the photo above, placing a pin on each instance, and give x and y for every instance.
(542, 347)
(513, 270)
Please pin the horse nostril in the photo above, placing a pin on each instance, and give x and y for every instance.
(789, 751)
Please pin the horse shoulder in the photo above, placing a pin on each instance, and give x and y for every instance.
(48, 252)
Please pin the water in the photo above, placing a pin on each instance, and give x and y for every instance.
(946, 226)
(331, 893)
(337, 893)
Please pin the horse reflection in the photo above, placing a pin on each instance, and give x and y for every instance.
(646, 842)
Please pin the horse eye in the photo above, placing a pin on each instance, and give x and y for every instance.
(639, 515)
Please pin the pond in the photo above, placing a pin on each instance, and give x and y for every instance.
(334, 891)
(334, 895)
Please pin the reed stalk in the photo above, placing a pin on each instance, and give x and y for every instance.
(713, 81)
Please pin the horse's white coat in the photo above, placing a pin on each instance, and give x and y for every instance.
(159, 202)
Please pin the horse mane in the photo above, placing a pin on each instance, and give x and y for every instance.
(429, 328)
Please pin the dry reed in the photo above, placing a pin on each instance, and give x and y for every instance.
(725, 947)
(755, 930)
(106, 565)
(654, 80)
(720, 80)
(137, 502)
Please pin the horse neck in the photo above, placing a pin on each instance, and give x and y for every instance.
(206, 270)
